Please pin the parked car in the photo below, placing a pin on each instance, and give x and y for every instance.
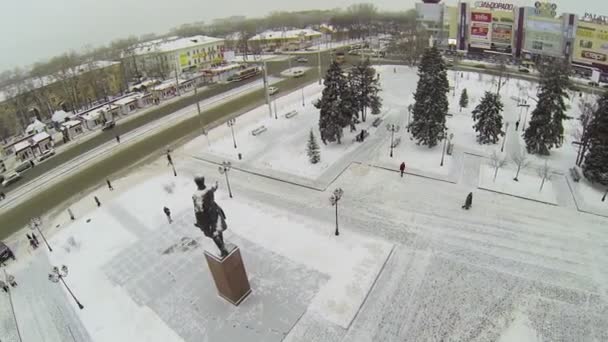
(272, 90)
(302, 60)
(524, 70)
(46, 155)
(24, 166)
(108, 125)
(5, 253)
(10, 179)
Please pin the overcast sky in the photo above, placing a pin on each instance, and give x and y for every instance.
(33, 30)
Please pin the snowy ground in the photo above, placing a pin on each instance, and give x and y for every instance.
(409, 263)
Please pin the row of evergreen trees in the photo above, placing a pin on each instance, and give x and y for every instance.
(595, 166)
(346, 98)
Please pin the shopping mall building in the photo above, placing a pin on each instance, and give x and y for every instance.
(524, 32)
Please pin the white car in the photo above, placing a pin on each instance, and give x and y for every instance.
(298, 73)
(10, 179)
(272, 90)
(46, 155)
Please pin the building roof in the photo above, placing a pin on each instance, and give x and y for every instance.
(35, 126)
(174, 44)
(40, 137)
(289, 34)
(22, 145)
(126, 100)
(71, 123)
(60, 116)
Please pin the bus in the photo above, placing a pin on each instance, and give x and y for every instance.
(244, 74)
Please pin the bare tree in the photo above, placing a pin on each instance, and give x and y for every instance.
(497, 162)
(587, 107)
(544, 172)
(520, 159)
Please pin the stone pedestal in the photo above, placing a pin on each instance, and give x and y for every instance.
(229, 275)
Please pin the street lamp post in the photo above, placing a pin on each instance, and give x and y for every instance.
(502, 148)
(409, 113)
(35, 224)
(57, 275)
(444, 147)
(266, 89)
(334, 199)
(393, 129)
(275, 109)
(230, 124)
(303, 105)
(319, 66)
(198, 108)
(523, 128)
(223, 169)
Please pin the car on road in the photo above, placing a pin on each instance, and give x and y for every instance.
(302, 60)
(26, 165)
(594, 84)
(298, 73)
(46, 155)
(10, 179)
(108, 125)
(524, 70)
(5, 253)
(272, 90)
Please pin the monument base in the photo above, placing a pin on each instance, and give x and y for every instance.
(229, 275)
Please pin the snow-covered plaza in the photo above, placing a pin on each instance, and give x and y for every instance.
(523, 264)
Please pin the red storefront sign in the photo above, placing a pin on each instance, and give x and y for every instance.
(481, 17)
(480, 31)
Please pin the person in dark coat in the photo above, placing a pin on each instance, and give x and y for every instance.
(2, 196)
(469, 201)
(517, 125)
(402, 169)
(35, 238)
(109, 185)
(71, 214)
(32, 242)
(97, 201)
(168, 214)
(118, 139)
(169, 159)
(3, 286)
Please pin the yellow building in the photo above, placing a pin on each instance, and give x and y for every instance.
(285, 40)
(591, 44)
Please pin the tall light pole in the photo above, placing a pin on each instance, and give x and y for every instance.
(10, 299)
(334, 199)
(504, 140)
(266, 89)
(303, 105)
(35, 224)
(57, 275)
(223, 169)
(523, 128)
(230, 124)
(445, 140)
(409, 114)
(198, 109)
(319, 66)
(275, 108)
(393, 129)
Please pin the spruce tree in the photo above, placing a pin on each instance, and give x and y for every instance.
(312, 149)
(488, 119)
(464, 99)
(365, 77)
(431, 103)
(595, 167)
(546, 129)
(331, 117)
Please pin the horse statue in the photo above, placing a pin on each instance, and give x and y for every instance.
(210, 217)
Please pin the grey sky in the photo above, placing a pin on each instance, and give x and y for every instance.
(33, 30)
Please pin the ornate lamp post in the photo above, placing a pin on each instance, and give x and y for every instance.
(230, 124)
(393, 129)
(223, 169)
(334, 199)
(35, 224)
(57, 275)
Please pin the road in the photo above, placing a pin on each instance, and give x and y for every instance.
(96, 168)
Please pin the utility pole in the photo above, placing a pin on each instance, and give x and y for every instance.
(198, 108)
(319, 61)
(266, 89)
(176, 75)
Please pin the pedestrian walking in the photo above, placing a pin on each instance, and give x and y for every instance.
(32, 242)
(468, 202)
(11, 280)
(71, 214)
(109, 185)
(169, 159)
(35, 238)
(168, 214)
(517, 125)
(4, 286)
(118, 138)
(402, 169)
(2, 196)
(97, 201)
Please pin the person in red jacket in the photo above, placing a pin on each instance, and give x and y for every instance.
(402, 168)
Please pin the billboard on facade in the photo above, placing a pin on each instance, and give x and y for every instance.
(544, 36)
(591, 43)
(480, 29)
(502, 34)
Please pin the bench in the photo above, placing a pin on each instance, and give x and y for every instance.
(576, 176)
(396, 142)
(291, 114)
(377, 122)
(259, 130)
